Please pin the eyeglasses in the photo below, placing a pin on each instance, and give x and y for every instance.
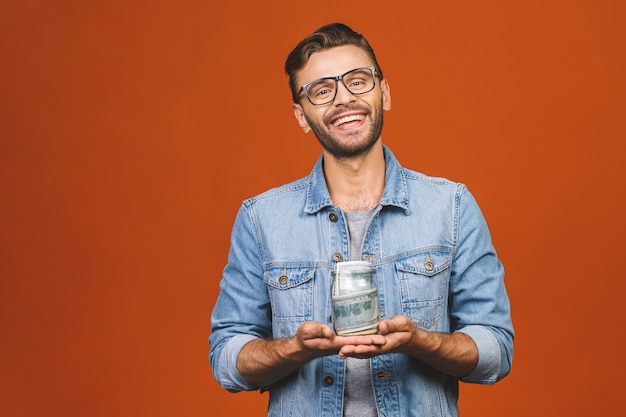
(324, 90)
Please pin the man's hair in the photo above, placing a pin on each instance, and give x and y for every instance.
(326, 37)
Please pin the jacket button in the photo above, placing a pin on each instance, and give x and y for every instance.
(333, 217)
(283, 279)
(428, 264)
(337, 257)
(328, 380)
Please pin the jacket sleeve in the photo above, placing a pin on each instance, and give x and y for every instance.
(479, 302)
(242, 311)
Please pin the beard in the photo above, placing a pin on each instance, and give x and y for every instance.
(340, 148)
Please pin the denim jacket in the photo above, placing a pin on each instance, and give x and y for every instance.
(434, 261)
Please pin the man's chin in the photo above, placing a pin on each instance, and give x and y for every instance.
(348, 152)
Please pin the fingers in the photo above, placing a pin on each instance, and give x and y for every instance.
(361, 351)
(396, 324)
(314, 330)
(319, 339)
(372, 339)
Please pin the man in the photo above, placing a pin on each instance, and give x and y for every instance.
(442, 298)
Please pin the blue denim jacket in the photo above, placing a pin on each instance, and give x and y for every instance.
(284, 244)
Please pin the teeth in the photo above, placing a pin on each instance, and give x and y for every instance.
(347, 119)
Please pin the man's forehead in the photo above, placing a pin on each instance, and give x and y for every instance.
(333, 62)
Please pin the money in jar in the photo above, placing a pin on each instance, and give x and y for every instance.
(354, 299)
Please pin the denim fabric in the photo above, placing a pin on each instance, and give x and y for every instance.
(434, 262)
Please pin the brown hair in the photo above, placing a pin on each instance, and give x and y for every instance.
(326, 37)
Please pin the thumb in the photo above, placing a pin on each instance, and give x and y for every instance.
(385, 327)
(396, 324)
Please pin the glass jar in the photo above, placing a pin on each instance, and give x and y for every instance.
(354, 299)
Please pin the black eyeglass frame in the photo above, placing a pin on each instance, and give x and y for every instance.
(337, 79)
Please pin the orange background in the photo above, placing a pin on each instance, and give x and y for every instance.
(130, 132)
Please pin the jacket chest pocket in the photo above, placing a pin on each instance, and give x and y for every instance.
(291, 293)
(423, 281)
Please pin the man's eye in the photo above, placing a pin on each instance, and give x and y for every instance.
(358, 83)
(323, 92)
(320, 90)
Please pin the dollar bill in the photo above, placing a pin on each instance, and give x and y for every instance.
(356, 313)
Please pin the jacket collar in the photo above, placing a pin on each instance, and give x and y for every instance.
(394, 194)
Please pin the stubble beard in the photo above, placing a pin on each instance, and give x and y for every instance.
(337, 147)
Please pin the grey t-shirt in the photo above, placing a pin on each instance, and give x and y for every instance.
(358, 400)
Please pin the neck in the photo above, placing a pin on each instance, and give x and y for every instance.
(356, 184)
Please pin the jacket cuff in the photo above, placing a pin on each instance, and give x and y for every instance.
(489, 356)
(227, 373)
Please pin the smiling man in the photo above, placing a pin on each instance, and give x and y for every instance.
(444, 307)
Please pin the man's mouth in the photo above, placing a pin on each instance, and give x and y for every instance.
(348, 119)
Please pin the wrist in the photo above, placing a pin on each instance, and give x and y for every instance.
(292, 350)
(425, 344)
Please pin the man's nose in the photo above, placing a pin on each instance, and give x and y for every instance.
(343, 94)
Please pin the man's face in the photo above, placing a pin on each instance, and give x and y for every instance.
(350, 125)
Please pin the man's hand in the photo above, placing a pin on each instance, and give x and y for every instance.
(455, 354)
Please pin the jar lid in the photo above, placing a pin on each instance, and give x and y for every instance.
(354, 266)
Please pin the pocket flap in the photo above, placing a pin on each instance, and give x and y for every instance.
(286, 278)
(426, 263)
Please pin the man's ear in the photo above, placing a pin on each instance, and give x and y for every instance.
(384, 85)
(299, 113)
